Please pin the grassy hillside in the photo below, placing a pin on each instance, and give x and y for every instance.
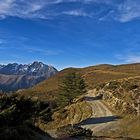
(93, 76)
(123, 97)
(120, 83)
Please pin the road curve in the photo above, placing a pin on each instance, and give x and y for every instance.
(102, 118)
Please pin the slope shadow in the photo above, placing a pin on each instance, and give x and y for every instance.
(87, 98)
(99, 120)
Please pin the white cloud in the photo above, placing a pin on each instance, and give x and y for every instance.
(76, 12)
(5, 7)
(37, 9)
(123, 11)
(129, 58)
(98, 1)
(128, 10)
(133, 59)
(20, 8)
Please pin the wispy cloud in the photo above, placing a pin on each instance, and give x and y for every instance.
(122, 11)
(129, 58)
(128, 10)
(37, 9)
(20, 8)
(133, 59)
(77, 12)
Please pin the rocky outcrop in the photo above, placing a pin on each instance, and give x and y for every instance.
(122, 99)
(70, 115)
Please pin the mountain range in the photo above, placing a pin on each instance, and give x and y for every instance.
(93, 76)
(110, 105)
(15, 76)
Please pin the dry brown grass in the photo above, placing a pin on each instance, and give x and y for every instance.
(128, 126)
(93, 76)
(72, 114)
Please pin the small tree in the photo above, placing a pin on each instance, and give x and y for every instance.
(71, 86)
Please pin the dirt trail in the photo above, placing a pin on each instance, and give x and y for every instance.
(102, 118)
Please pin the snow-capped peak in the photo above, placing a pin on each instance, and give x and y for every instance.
(36, 68)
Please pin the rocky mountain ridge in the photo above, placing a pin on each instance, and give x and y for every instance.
(34, 69)
(18, 76)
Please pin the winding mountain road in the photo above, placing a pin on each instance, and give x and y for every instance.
(102, 118)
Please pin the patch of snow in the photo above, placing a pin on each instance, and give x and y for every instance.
(33, 69)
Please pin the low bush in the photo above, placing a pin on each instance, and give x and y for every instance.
(73, 131)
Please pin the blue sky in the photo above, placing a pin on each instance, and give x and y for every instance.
(70, 33)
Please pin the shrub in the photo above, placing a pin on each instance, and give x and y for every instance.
(113, 85)
(129, 86)
(73, 131)
(17, 110)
